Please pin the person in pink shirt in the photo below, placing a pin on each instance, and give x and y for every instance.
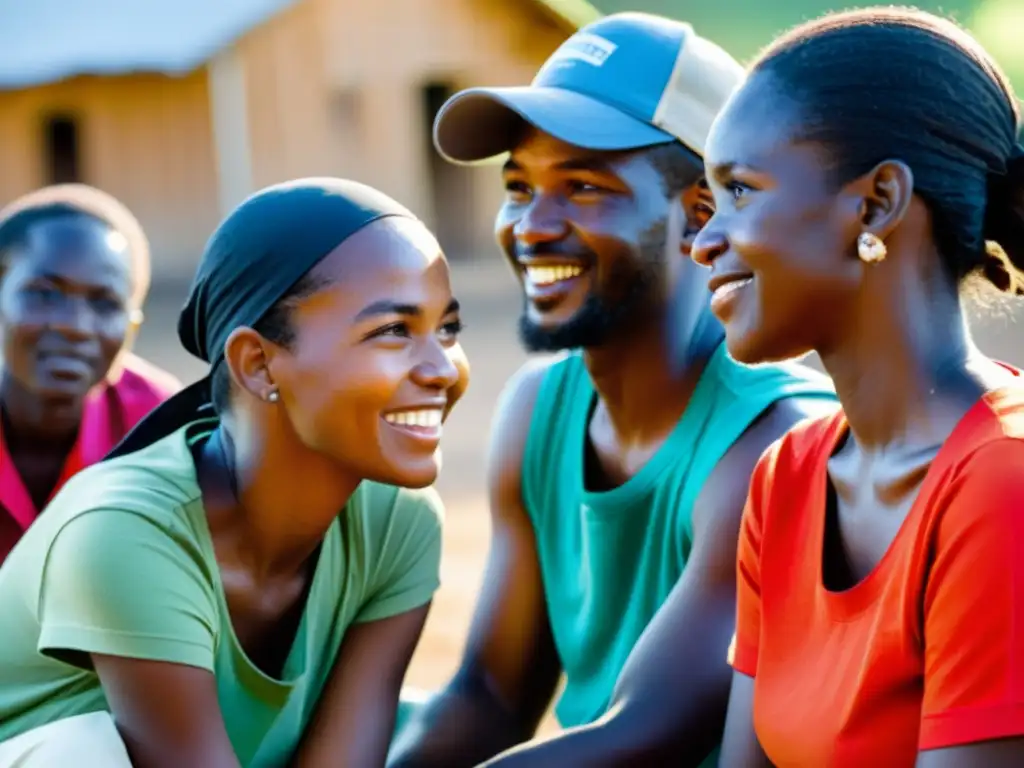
(74, 272)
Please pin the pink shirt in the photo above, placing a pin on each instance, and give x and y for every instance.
(110, 411)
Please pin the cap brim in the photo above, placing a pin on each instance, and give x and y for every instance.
(480, 123)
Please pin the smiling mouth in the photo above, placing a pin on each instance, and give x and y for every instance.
(543, 276)
(727, 289)
(423, 423)
(66, 367)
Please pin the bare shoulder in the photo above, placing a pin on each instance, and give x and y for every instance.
(725, 493)
(777, 420)
(785, 414)
(519, 394)
(510, 426)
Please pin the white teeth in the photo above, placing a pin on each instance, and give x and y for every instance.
(549, 275)
(735, 285)
(427, 418)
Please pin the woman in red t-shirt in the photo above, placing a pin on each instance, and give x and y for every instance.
(858, 174)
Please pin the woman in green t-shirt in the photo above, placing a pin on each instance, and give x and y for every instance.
(242, 582)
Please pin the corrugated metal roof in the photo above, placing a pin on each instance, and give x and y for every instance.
(42, 41)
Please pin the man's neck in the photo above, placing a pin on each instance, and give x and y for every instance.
(642, 390)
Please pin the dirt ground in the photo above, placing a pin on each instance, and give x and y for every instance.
(490, 306)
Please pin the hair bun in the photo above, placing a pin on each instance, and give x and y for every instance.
(1004, 226)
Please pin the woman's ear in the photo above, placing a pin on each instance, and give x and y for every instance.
(135, 318)
(245, 355)
(885, 195)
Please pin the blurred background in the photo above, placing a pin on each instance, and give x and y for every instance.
(181, 108)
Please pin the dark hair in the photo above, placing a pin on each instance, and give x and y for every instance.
(275, 326)
(877, 84)
(77, 201)
(678, 165)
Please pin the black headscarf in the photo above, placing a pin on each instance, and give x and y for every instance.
(262, 249)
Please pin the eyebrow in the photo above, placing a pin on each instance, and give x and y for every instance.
(721, 171)
(728, 169)
(64, 282)
(589, 162)
(388, 307)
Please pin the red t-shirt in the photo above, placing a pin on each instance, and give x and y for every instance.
(110, 410)
(928, 650)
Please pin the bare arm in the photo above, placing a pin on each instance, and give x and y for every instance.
(355, 717)
(167, 714)
(510, 667)
(670, 700)
(740, 747)
(1005, 753)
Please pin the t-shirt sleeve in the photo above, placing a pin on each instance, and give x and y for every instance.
(744, 648)
(115, 583)
(408, 560)
(974, 604)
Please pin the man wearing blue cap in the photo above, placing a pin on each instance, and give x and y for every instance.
(618, 471)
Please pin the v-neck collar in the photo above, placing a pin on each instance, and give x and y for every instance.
(95, 437)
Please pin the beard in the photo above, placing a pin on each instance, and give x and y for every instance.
(626, 299)
(596, 323)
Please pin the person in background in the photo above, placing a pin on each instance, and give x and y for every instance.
(74, 273)
(243, 580)
(868, 171)
(618, 470)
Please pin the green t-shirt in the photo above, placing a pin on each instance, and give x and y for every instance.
(121, 563)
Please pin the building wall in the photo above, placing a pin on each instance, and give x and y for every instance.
(329, 87)
(143, 138)
(336, 87)
(287, 97)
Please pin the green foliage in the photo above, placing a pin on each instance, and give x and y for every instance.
(744, 26)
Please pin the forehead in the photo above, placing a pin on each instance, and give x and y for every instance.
(77, 249)
(394, 258)
(538, 152)
(754, 128)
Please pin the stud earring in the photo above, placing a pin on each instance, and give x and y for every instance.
(273, 396)
(870, 248)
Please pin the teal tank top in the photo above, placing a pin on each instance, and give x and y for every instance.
(609, 559)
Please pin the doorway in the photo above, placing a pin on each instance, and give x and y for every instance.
(62, 149)
(451, 186)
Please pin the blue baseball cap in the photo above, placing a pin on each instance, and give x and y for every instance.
(625, 81)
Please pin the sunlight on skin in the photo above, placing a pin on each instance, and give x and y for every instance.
(421, 238)
(117, 242)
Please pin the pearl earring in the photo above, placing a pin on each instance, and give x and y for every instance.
(870, 248)
(273, 396)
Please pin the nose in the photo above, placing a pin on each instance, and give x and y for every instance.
(436, 368)
(543, 221)
(709, 243)
(73, 318)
